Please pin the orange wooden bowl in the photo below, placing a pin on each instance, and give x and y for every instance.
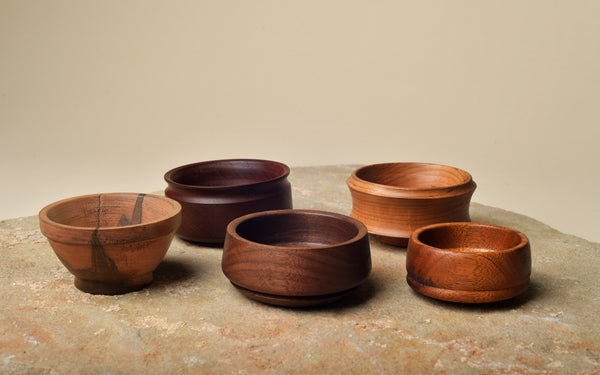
(111, 242)
(296, 257)
(468, 262)
(393, 199)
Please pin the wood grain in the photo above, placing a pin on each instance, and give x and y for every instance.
(468, 262)
(111, 242)
(213, 193)
(296, 257)
(394, 199)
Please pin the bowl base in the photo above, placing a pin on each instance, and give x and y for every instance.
(394, 241)
(112, 287)
(202, 241)
(467, 296)
(292, 301)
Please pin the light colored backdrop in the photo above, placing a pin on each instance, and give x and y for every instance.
(99, 96)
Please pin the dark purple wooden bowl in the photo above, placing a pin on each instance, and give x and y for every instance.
(212, 193)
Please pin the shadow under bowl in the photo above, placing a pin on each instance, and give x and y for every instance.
(468, 262)
(111, 242)
(213, 193)
(394, 199)
(296, 257)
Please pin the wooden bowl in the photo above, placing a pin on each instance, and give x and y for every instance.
(213, 193)
(468, 262)
(296, 257)
(111, 242)
(393, 199)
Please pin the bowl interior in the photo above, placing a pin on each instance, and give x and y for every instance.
(304, 230)
(413, 175)
(468, 238)
(225, 173)
(111, 210)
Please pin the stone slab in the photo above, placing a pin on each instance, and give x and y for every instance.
(191, 320)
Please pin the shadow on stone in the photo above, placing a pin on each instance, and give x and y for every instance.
(171, 272)
(209, 245)
(363, 293)
(535, 291)
(377, 244)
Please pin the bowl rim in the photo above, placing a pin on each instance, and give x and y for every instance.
(355, 182)
(168, 175)
(43, 214)
(414, 238)
(361, 233)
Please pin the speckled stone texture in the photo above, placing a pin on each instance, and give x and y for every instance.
(191, 320)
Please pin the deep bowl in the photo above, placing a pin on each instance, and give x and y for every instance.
(296, 257)
(394, 199)
(213, 193)
(111, 242)
(468, 262)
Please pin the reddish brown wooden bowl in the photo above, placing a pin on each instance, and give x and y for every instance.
(213, 193)
(393, 199)
(111, 242)
(468, 262)
(296, 257)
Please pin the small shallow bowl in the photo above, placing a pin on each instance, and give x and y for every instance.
(111, 242)
(213, 193)
(296, 257)
(468, 262)
(393, 199)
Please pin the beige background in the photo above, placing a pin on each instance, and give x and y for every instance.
(108, 95)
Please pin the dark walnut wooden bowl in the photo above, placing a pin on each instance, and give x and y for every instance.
(213, 193)
(468, 262)
(296, 257)
(393, 199)
(111, 242)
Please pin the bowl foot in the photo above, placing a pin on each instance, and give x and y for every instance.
(394, 241)
(114, 286)
(467, 296)
(293, 301)
(203, 240)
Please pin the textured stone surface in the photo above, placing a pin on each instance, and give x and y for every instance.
(191, 320)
